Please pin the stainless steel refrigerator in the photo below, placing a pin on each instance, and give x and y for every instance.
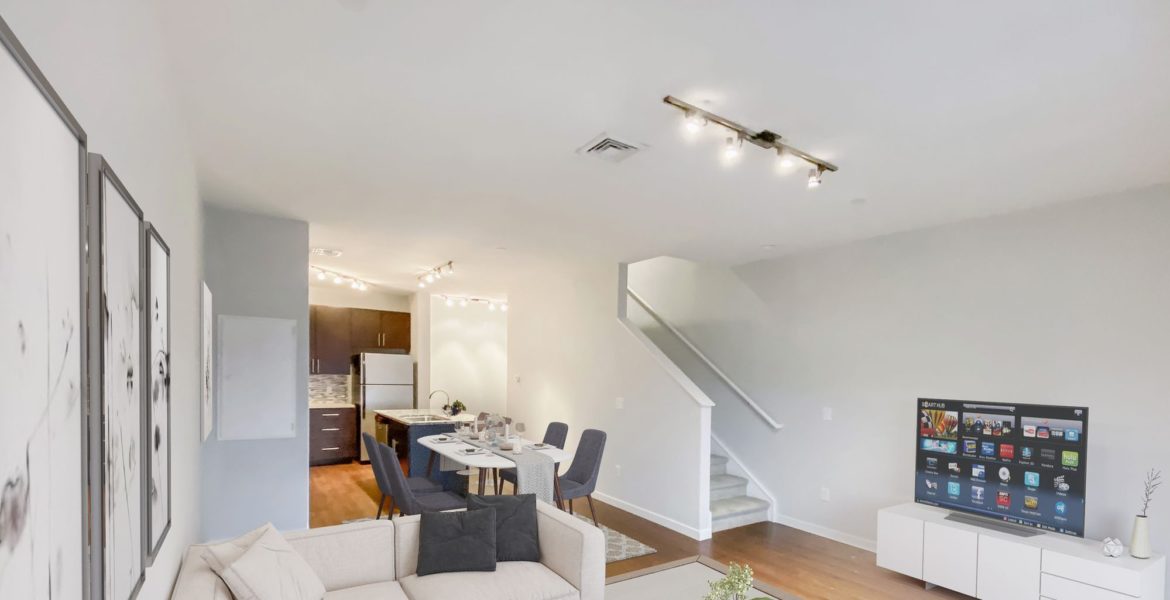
(383, 382)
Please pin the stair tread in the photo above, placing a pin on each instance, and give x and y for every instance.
(726, 481)
(739, 505)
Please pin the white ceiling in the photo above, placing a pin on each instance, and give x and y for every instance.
(410, 133)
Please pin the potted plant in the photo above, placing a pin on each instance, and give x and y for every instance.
(1139, 545)
(734, 586)
(454, 408)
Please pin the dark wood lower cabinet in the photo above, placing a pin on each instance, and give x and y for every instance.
(333, 435)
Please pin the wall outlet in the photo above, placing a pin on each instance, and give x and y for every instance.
(827, 413)
(825, 495)
(516, 379)
(620, 402)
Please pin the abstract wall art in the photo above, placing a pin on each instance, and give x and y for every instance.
(43, 400)
(120, 244)
(158, 405)
(207, 400)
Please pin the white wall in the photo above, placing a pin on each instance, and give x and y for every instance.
(106, 61)
(255, 267)
(569, 359)
(1068, 304)
(338, 295)
(468, 356)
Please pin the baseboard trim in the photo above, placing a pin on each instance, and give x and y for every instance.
(653, 517)
(827, 532)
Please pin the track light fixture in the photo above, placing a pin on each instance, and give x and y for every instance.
(814, 177)
(465, 300)
(338, 278)
(446, 269)
(696, 118)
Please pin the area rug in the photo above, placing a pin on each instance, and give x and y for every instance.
(687, 579)
(619, 546)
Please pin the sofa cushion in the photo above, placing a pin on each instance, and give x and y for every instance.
(457, 541)
(386, 590)
(330, 551)
(511, 581)
(269, 570)
(220, 555)
(516, 532)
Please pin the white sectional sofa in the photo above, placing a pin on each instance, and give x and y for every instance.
(377, 560)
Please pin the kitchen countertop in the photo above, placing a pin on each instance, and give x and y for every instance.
(401, 415)
(329, 404)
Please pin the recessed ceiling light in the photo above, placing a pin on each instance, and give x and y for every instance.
(330, 252)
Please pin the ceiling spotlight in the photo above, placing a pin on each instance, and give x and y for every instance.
(785, 161)
(362, 286)
(504, 307)
(438, 274)
(450, 269)
(337, 279)
(732, 147)
(491, 305)
(694, 122)
(320, 275)
(814, 177)
(355, 285)
(421, 284)
(430, 278)
(450, 302)
(463, 303)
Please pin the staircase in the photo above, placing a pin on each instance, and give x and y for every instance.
(730, 505)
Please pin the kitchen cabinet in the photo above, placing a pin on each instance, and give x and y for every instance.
(331, 334)
(337, 333)
(395, 330)
(333, 434)
(365, 329)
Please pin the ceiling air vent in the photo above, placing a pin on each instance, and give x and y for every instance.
(609, 148)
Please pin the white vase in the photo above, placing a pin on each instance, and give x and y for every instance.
(1139, 545)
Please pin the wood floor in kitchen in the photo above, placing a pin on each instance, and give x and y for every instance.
(800, 563)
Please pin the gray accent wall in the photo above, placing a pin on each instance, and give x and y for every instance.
(257, 266)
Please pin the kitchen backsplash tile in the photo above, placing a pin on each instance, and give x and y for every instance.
(329, 388)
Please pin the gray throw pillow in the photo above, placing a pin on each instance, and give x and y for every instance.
(450, 542)
(517, 537)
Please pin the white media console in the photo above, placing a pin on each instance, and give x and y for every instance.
(990, 564)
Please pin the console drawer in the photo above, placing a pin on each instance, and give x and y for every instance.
(1093, 572)
(1059, 588)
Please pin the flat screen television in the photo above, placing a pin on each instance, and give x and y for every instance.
(1019, 463)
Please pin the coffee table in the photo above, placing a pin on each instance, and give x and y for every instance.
(685, 579)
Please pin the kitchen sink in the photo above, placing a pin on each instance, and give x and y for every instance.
(423, 419)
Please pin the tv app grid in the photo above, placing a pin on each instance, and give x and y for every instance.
(1019, 463)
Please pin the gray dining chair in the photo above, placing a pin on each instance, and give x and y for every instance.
(556, 434)
(410, 503)
(581, 478)
(419, 485)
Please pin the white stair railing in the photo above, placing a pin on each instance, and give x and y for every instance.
(703, 357)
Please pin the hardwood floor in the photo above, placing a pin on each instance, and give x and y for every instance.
(812, 567)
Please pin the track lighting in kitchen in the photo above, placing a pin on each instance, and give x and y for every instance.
(695, 118)
(434, 274)
(463, 301)
(338, 278)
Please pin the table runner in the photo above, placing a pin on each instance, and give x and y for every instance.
(534, 469)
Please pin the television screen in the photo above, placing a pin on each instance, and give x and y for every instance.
(1020, 463)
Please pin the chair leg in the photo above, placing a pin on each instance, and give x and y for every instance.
(570, 506)
(592, 511)
(380, 503)
(557, 492)
(390, 513)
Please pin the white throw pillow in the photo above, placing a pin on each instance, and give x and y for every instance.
(261, 565)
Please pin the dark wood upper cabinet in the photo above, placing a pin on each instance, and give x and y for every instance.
(336, 334)
(365, 329)
(395, 327)
(331, 328)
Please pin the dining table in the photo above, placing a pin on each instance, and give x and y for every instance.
(452, 446)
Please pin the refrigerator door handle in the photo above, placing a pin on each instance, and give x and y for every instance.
(363, 394)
